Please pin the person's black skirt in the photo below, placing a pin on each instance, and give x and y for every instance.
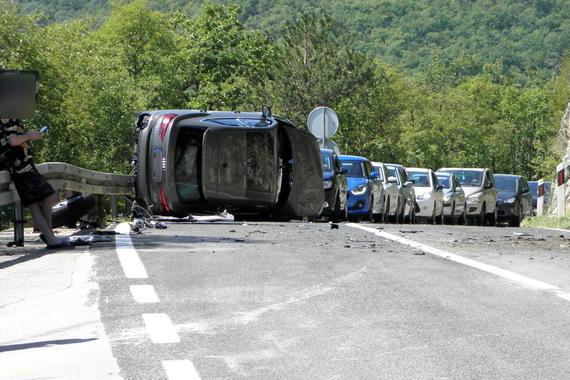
(32, 187)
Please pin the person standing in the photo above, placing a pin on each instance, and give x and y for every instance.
(34, 191)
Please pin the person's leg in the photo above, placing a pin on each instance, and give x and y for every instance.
(47, 207)
(42, 224)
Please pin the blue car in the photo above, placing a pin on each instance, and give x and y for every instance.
(364, 188)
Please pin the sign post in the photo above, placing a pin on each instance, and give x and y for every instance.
(323, 124)
(540, 198)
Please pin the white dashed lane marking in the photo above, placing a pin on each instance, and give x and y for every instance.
(159, 326)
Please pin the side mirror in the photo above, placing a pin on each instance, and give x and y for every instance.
(342, 171)
(408, 184)
(392, 179)
(439, 187)
(488, 186)
(374, 175)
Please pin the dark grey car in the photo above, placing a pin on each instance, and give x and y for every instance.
(206, 161)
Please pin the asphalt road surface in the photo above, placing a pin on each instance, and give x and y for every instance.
(229, 300)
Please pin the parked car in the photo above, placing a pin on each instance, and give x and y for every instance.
(335, 185)
(429, 194)
(533, 185)
(407, 193)
(365, 188)
(206, 161)
(454, 206)
(514, 198)
(391, 199)
(480, 193)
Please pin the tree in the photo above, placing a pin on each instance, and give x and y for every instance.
(316, 66)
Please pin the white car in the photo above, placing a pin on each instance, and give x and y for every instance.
(429, 194)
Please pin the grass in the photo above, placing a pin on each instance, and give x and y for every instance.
(547, 222)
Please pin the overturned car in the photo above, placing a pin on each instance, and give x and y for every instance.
(189, 161)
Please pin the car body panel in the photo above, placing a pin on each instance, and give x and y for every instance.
(480, 191)
(392, 197)
(195, 161)
(514, 199)
(335, 184)
(405, 188)
(453, 195)
(361, 175)
(429, 193)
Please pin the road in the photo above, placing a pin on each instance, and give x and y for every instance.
(306, 301)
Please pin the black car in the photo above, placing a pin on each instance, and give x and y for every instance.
(207, 161)
(335, 185)
(514, 200)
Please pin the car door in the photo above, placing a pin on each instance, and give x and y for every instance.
(376, 184)
(526, 198)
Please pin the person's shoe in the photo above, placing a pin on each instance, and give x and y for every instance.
(62, 245)
(43, 238)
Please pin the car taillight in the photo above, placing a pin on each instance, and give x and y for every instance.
(163, 203)
(164, 125)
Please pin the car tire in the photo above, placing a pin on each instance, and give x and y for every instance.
(463, 218)
(70, 210)
(516, 220)
(336, 214)
(492, 218)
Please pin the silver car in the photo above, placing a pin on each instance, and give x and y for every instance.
(391, 193)
(429, 194)
(480, 194)
(454, 206)
(407, 200)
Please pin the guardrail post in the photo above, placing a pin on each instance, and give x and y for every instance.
(18, 225)
(561, 191)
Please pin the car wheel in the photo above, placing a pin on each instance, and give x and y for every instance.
(412, 217)
(336, 212)
(451, 219)
(516, 220)
(480, 219)
(492, 218)
(370, 215)
(385, 213)
(463, 218)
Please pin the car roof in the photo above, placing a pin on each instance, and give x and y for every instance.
(418, 169)
(472, 169)
(355, 158)
(508, 175)
(444, 174)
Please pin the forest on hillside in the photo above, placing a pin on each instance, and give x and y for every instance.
(526, 35)
(96, 74)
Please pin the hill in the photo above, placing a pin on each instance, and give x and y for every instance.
(528, 35)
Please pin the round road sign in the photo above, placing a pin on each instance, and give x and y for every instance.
(322, 122)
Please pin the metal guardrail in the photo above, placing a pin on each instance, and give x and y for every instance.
(63, 176)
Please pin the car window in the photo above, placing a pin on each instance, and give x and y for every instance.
(355, 168)
(187, 165)
(327, 164)
(419, 179)
(507, 184)
(468, 177)
(444, 180)
(392, 171)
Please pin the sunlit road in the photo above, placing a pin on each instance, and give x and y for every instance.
(306, 301)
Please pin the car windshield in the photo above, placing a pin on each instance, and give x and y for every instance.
(187, 164)
(239, 122)
(419, 179)
(506, 184)
(327, 164)
(355, 168)
(468, 177)
(445, 181)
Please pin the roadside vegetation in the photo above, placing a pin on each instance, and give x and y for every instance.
(445, 102)
(546, 221)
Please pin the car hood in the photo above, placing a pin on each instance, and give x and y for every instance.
(422, 190)
(505, 195)
(355, 182)
(470, 190)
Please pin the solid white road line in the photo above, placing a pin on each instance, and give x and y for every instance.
(160, 328)
(526, 281)
(129, 258)
(180, 370)
(144, 294)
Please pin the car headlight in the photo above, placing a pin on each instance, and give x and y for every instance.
(510, 200)
(361, 189)
(446, 198)
(424, 196)
(328, 184)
